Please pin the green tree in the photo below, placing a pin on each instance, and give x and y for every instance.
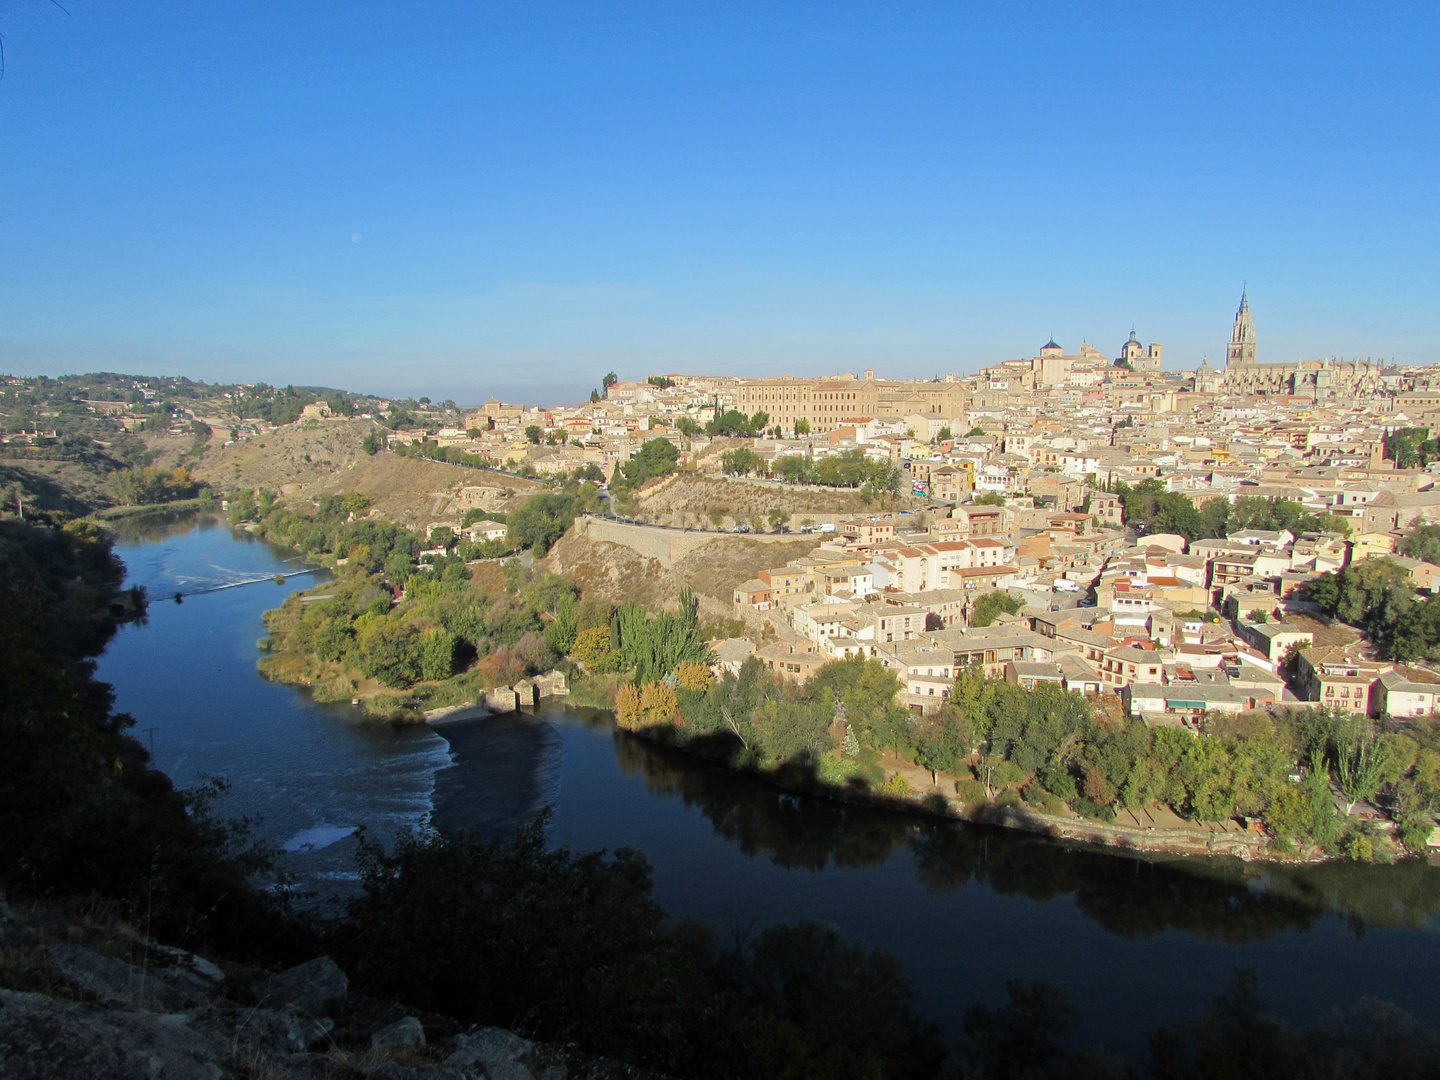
(741, 461)
(654, 459)
(541, 520)
(1422, 542)
(532, 433)
(437, 655)
(990, 605)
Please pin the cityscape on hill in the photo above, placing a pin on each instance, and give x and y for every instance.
(541, 542)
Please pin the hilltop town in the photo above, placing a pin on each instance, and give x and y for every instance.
(1098, 523)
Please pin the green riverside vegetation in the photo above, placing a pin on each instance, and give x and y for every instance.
(573, 947)
(1054, 751)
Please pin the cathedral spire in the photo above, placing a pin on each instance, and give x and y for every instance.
(1241, 350)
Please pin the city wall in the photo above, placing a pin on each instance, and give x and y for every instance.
(668, 546)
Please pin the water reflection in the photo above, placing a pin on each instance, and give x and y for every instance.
(1129, 895)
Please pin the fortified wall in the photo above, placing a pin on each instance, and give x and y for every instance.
(668, 546)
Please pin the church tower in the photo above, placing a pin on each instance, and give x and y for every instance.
(1241, 350)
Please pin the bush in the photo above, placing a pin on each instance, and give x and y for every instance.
(391, 654)
(509, 934)
(592, 650)
(972, 793)
(896, 787)
(1039, 799)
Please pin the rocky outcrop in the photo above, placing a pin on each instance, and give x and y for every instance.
(123, 1008)
(46, 1038)
(313, 988)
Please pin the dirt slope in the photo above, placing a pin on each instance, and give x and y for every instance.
(326, 458)
(692, 500)
(621, 573)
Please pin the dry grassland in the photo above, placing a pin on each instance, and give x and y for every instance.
(326, 458)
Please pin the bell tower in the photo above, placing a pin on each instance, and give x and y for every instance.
(1241, 350)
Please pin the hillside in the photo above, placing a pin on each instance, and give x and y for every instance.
(325, 458)
(698, 501)
(620, 572)
(72, 487)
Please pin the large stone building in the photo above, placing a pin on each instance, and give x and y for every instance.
(1317, 379)
(1140, 357)
(1053, 367)
(826, 404)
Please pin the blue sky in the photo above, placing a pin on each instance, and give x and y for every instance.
(460, 199)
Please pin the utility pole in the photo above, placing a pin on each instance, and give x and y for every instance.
(151, 732)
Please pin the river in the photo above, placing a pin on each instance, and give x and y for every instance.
(1135, 942)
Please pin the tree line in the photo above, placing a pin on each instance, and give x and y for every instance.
(1153, 509)
(567, 947)
(848, 468)
(1050, 749)
(147, 485)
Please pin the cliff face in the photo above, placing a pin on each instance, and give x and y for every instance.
(650, 565)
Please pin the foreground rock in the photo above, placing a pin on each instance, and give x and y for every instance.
(172, 1015)
(315, 988)
(45, 1038)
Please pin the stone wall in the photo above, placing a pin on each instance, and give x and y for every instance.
(668, 546)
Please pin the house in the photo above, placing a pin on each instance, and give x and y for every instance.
(731, 654)
(1339, 677)
(1185, 704)
(867, 531)
(786, 581)
(793, 659)
(1406, 692)
(855, 581)
(753, 594)
(1421, 575)
(1276, 640)
(1126, 664)
(488, 530)
(1030, 675)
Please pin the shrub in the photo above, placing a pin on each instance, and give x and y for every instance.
(971, 792)
(628, 707)
(896, 787)
(693, 676)
(659, 704)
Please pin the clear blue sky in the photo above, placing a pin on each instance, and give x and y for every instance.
(459, 199)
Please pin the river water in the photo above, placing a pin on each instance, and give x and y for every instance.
(1135, 942)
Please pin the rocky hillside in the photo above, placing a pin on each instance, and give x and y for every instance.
(316, 458)
(619, 572)
(704, 501)
(109, 1005)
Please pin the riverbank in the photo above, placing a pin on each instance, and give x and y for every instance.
(1161, 832)
(121, 513)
